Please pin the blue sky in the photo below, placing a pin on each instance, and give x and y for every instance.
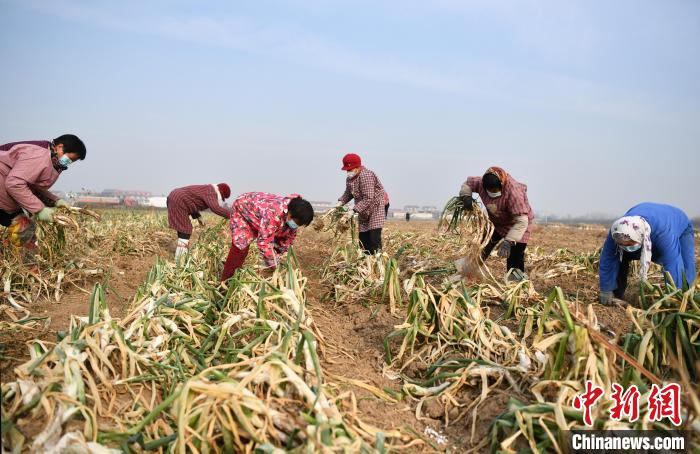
(594, 105)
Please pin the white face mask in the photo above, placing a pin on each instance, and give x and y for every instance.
(64, 161)
(633, 248)
(351, 173)
(494, 195)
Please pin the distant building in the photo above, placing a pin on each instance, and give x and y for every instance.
(418, 212)
(94, 200)
(417, 215)
(124, 193)
(156, 201)
(116, 198)
(322, 207)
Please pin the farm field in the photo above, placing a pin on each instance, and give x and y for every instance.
(106, 343)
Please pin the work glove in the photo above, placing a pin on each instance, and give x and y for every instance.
(606, 298)
(62, 203)
(467, 202)
(504, 249)
(46, 214)
(339, 204)
(347, 217)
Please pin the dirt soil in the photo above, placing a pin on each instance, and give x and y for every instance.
(124, 277)
(354, 332)
(360, 328)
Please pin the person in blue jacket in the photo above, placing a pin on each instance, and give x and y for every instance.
(649, 232)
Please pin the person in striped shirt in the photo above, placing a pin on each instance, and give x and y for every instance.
(508, 208)
(187, 202)
(371, 201)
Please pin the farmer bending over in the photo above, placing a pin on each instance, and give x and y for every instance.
(269, 220)
(371, 201)
(187, 202)
(506, 202)
(28, 169)
(649, 232)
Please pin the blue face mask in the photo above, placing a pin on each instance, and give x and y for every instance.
(634, 248)
(64, 161)
(292, 225)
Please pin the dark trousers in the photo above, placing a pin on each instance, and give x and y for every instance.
(624, 272)
(371, 241)
(517, 252)
(236, 259)
(183, 236)
(6, 218)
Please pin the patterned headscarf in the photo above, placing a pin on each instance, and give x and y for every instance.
(501, 174)
(634, 228)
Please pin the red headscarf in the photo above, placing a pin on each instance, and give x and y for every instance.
(224, 190)
(501, 174)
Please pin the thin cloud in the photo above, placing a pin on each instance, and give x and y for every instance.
(470, 78)
(287, 43)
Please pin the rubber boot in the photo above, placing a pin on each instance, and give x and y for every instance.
(181, 250)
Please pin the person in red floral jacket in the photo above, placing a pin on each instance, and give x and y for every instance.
(269, 220)
(371, 201)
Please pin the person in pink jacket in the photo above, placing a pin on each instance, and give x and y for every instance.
(28, 169)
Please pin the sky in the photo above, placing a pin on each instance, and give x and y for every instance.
(594, 105)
